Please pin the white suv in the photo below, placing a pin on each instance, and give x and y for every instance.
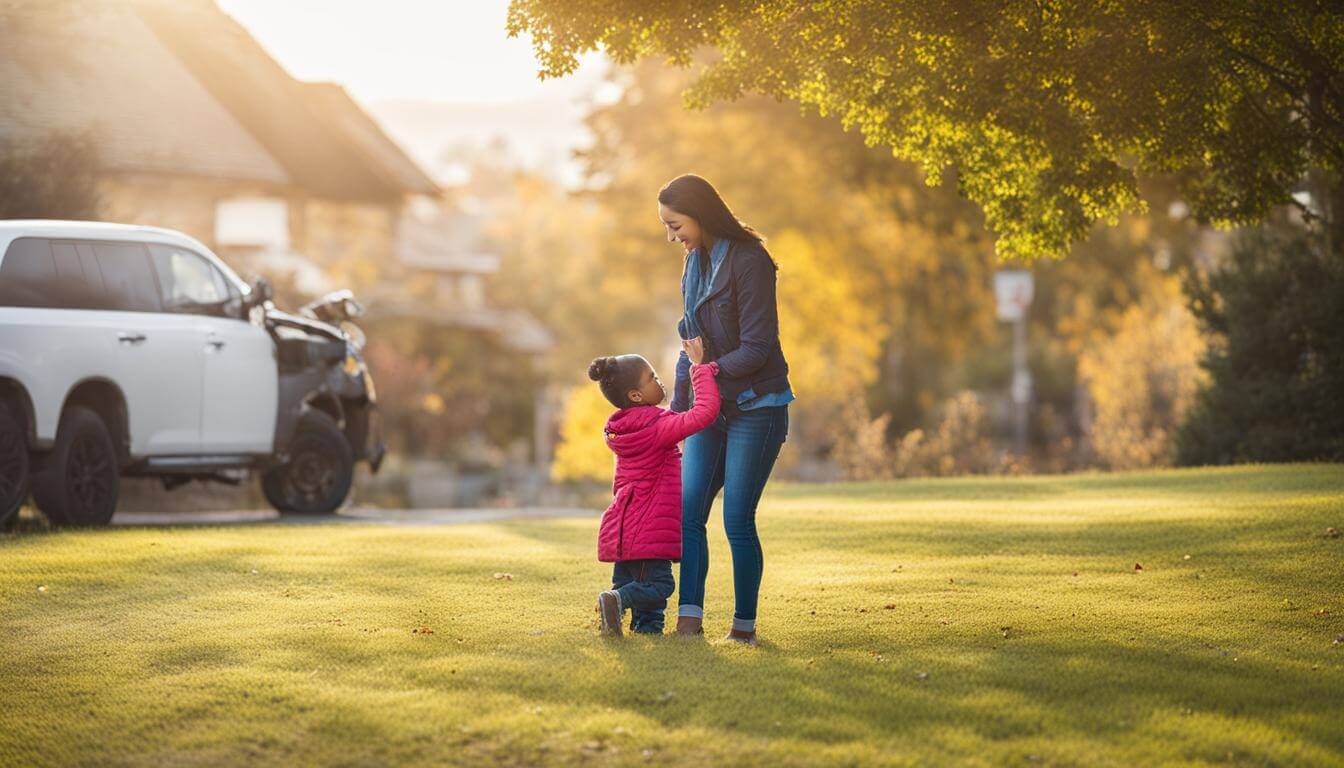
(130, 350)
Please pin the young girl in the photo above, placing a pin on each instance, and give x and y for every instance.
(641, 530)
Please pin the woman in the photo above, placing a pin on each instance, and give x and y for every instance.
(728, 299)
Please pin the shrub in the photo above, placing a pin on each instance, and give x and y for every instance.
(958, 445)
(1276, 364)
(1143, 380)
(582, 453)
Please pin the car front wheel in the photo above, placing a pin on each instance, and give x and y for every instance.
(81, 479)
(317, 477)
(13, 466)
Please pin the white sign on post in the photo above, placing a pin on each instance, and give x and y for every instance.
(1013, 289)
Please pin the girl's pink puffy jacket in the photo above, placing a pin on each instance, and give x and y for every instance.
(644, 519)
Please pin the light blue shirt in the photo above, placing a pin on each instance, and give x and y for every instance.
(764, 401)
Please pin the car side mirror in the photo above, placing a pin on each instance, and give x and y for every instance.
(262, 291)
(260, 294)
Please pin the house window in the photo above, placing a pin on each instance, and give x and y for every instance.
(253, 222)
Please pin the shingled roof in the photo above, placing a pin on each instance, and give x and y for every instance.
(96, 70)
(178, 87)
(333, 156)
(333, 104)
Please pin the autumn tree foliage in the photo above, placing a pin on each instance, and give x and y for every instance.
(1048, 112)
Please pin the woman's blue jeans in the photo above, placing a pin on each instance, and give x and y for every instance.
(735, 454)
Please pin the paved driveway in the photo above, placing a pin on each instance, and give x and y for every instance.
(350, 515)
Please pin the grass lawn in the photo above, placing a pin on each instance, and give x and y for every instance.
(973, 621)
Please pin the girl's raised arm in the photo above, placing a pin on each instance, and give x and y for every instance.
(679, 426)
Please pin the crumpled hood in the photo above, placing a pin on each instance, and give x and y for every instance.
(628, 430)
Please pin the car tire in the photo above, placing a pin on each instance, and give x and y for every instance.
(272, 487)
(319, 472)
(14, 466)
(79, 483)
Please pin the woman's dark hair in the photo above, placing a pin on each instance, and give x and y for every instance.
(617, 376)
(691, 195)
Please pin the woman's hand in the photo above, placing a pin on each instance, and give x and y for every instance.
(695, 349)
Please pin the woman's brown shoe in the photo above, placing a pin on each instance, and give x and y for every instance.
(690, 625)
(746, 638)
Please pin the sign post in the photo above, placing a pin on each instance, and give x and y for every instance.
(1013, 289)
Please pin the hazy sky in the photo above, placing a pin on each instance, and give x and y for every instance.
(455, 52)
(442, 50)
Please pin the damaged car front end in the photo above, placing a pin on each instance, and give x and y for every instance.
(328, 407)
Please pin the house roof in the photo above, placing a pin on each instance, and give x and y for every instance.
(515, 329)
(332, 103)
(444, 242)
(96, 70)
(179, 87)
(313, 148)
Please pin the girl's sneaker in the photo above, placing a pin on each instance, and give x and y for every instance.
(609, 608)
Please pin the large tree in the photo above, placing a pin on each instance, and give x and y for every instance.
(1047, 112)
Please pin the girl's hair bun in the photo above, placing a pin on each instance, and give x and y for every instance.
(602, 368)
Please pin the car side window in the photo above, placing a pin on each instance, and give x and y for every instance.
(127, 276)
(188, 283)
(28, 274)
(79, 277)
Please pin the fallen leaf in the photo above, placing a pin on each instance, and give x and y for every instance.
(1138, 567)
(1321, 612)
(422, 631)
(1187, 557)
(42, 588)
(1332, 533)
(504, 576)
(921, 675)
(890, 606)
(1005, 630)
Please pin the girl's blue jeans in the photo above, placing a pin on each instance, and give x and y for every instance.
(735, 454)
(644, 586)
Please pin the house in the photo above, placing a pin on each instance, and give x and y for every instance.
(195, 127)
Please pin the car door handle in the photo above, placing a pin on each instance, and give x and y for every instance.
(130, 337)
(216, 343)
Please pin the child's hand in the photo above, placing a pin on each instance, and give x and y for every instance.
(695, 349)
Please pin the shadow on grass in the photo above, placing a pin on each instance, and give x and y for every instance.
(1202, 482)
(1096, 692)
